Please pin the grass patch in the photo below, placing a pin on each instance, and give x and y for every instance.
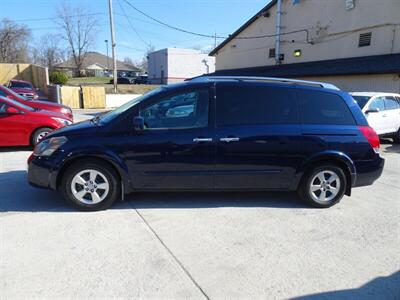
(88, 80)
(105, 81)
(130, 88)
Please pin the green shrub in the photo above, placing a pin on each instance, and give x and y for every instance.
(58, 77)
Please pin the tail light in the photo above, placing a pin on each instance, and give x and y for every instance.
(371, 136)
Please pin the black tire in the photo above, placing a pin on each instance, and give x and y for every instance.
(39, 134)
(396, 137)
(106, 170)
(304, 190)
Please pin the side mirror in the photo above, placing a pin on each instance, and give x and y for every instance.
(372, 110)
(12, 111)
(138, 123)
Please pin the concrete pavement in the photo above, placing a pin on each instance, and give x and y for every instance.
(196, 246)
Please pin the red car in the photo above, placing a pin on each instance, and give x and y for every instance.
(58, 108)
(24, 88)
(22, 125)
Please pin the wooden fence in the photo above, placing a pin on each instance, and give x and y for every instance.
(37, 75)
(94, 97)
(70, 96)
(78, 97)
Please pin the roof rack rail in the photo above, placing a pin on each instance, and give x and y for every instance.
(266, 79)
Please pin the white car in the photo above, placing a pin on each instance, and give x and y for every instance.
(382, 111)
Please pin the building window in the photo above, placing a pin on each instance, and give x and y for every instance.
(365, 39)
(271, 53)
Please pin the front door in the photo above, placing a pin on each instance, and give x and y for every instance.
(176, 151)
(392, 111)
(13, 130)
(377, 120)
(257, 136)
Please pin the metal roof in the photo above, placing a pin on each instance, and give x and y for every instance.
(376, 64)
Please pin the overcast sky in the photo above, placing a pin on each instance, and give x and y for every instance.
(204, 16)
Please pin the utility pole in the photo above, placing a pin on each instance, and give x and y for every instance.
(278, 32)
(108, 63)
(115, 77)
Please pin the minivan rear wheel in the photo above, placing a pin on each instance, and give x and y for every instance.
(90, 185)
(323, 186)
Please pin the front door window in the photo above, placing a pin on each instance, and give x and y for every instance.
(185, 110)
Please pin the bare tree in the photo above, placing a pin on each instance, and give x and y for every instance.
(48, 52)
(143, 64)
(13, 42)
(80, 29)
(129, 61)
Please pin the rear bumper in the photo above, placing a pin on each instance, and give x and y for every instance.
(368, 171)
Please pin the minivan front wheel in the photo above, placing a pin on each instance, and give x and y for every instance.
(324, 186)
(90, 186)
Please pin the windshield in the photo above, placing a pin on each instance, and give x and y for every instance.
(111, 115)
(19, 84)
(13, 93)
(19, 105)
(361, 100)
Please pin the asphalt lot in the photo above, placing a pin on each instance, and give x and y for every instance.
(199, 245)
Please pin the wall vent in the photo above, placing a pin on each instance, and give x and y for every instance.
(271, 53)
(365, 39)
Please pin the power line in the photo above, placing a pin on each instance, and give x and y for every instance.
(55, 18)
(170, 26)
(130, 24)
(214, 36)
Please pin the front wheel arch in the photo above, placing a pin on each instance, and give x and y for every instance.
(85, 158)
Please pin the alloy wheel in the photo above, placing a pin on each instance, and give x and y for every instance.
(90, 186)
(324, 186)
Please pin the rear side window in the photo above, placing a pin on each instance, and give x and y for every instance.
(391, 103)
(255, 105)
(324, 108)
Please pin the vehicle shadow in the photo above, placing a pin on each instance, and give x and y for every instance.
(379, 288)
(16, 149)
(392, 148)
(16, 195)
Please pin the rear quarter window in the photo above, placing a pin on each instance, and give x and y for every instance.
(324, 108)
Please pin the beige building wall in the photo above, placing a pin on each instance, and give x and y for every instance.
(389, 83)
(333, 33)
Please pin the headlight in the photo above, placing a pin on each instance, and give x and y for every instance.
(49, 146)
(65, 110)
(62, 121)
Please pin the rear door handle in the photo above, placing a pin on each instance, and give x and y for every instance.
(385, 115)
(200, 140)
(229, 139)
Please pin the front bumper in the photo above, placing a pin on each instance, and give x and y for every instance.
(368, 171)
(42, 173)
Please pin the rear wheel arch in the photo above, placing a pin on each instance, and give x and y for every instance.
(347, 167)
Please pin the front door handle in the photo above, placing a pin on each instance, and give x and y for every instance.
(385, 115)
(200, 140)
(229, 139)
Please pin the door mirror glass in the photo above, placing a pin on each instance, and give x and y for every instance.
(372, 110)
(138, 123)
(12, 111)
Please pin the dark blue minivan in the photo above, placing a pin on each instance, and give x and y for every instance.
(215, 133)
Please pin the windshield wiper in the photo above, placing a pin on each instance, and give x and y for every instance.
(95, 120)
